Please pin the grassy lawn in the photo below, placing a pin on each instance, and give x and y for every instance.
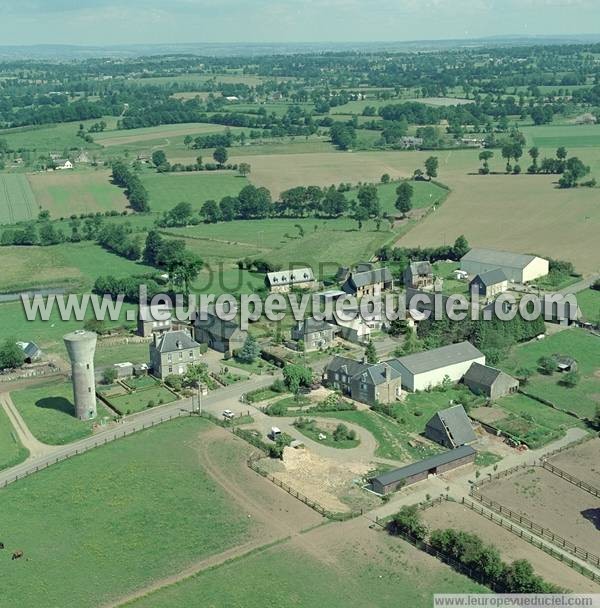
(425, 194)
(259, 366)
(141, 399)
(392, 439)
(312, 431)
(486, 459)
(584, 347)
(589, 302)
(388, 579)
(126, 513)
(134, 352)
(64, 193)
(417, 408)
(12, 451)
(73, 265)
(49, 413)
(48, 334)
(166, 190)
(141, 382)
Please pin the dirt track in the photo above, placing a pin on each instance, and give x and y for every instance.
(582, 461)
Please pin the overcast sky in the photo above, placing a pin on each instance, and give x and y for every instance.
(100, 22)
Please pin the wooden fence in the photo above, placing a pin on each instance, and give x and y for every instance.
(252, 462)
(570, 478)
(76, 451)
(530, 538)
(536, 528)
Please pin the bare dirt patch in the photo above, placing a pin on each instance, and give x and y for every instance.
(552, 503)
(510, 546)
(488, 414)
(324, 480)
(581, 461)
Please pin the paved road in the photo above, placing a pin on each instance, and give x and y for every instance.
(580, 285)
(216, 401)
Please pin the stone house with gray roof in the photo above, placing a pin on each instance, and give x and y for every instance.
(489, 381)
(368, 281)
(316, 335)
(419, 275)
(368, 383)
(220, 335)
(172, 353)
(451, 428)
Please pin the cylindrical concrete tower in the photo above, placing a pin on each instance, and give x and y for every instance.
(81, 346)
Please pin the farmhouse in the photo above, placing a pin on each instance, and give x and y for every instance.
(368, 282)
(152, 319)
(222, 336)
(489, 381)
(451, 428)
(419, 275)
(355, 330)
(365, 382)
(489, 284)
(425, 370)
(411, 142)
(315, 334)
(284, 280)
(62, 163)
(518, 268)
(172, 353)
(418, 471)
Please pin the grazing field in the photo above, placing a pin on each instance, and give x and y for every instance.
(580, 344)
(48, 334)
(75, 265)
(581, 461)
(342, 566)
(162, 133)
(589, 302)
(425, 194)
(17, 200)
(126, 514)
(166, 190)
(49, 413)
(321, 244)
(12, 451)
(64, 193)
(511, 547)
(550, 502)
(573, 136)
(52, 138)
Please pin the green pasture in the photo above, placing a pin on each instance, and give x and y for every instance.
(12, 451)
(168, 189)
(142, 399)
(589, 302)
(126, 514)
(273, 577)
(49, 413)
(577, 343)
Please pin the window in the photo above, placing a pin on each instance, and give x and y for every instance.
(180, 356)
(191, 354)
(170, 369)
(169, 357)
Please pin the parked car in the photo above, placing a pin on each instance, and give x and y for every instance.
(228, 415)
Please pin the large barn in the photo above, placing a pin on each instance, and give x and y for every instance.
(428, 369)
(517, 267)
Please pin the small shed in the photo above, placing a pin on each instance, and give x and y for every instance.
(564, 363)
(418, 471)
(489, 381)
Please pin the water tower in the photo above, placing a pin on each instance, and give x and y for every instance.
(81, 346)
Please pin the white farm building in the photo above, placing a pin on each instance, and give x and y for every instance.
(428, 369)
(517, 267)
